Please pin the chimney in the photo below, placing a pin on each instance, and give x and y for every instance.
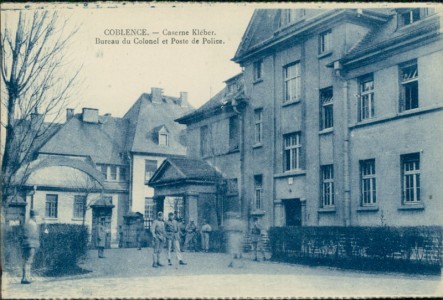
(69, 114)
(90, 115)
(36, 119)
(156, 95)
(183, 100)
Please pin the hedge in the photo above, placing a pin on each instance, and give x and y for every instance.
(61, 248)
(398, 249)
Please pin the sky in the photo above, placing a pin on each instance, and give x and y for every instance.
(114, 76)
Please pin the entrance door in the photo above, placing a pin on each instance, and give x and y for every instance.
(293, 212)
(98, 214)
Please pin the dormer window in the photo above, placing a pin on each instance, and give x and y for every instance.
(289, 16)
(161, 135)
(163, 139)
(409, 16)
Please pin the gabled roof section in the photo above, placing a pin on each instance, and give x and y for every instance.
(174, 170)
(222, 100)
(103, 142)
(264, 33)
(389, 36)
(147, 117)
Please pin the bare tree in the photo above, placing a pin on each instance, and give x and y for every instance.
(36, 85)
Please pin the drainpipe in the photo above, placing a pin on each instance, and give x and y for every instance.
(243, 204)
(346, 163)
(131, 169)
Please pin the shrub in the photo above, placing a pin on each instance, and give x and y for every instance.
(61, 248)
(409, 249)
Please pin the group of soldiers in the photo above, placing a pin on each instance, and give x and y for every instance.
(176, 235)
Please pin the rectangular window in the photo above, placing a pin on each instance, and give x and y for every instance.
(366, 102)
(409, 86)
(327, 176)
(233, 133)
(292, 82)
(325, 41)
(51, 206)
(79, 206)
(257, 66)
(292, 151)
(204, 141)
(179, 207)
(367, 182)
(113, 173)
(327, 108)
(410, 16)
(163, 139)
(258, 118)
(122, 174)
(258, 188)
(411, 178)
(150, 168)
(104, 170)
(149, 212)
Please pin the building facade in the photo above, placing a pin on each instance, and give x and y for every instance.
(337, 120)
(95, 168)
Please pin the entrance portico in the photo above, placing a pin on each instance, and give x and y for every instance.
(194, 181)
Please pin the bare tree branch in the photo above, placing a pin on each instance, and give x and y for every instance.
(37, 85)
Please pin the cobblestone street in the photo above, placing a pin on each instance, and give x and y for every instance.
(128, 273)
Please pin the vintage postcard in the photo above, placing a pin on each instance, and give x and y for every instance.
(189, 150)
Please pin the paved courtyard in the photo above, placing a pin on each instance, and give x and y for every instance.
(128, 273)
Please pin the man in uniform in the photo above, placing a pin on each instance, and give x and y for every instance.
(173, 238)
(206, 232)
(101, 238)
(159, 235)
(191, 230)
(31, 242)
(256, 240)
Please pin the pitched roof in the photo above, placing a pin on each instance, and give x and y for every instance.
(216, 104)
(145, 118)
(264, 32)
(103, 142)
(184, 169)
(389, 34)
(106, 140)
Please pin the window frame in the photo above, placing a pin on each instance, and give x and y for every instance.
(258, 126)
(205, 149)
(326, 108)
(325, 42)
(234, 133)
(327, 186)
(414, 174)
(288, 81)
(164, 142)
(292, 151)
(148, 173)
(406, 99)
(368, 183)
(257, 69)
(258, 191)
(51, 206)
(149, 212)
(368, 94)
(76, 208)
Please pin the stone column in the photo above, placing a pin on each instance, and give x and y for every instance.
(191, 208)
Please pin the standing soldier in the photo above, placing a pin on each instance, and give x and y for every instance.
(158, 233)
(256, 240)
(182, 230)
(31, 242)
(206, 232)
(101, 237)
(173, 236)
(190, 236)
